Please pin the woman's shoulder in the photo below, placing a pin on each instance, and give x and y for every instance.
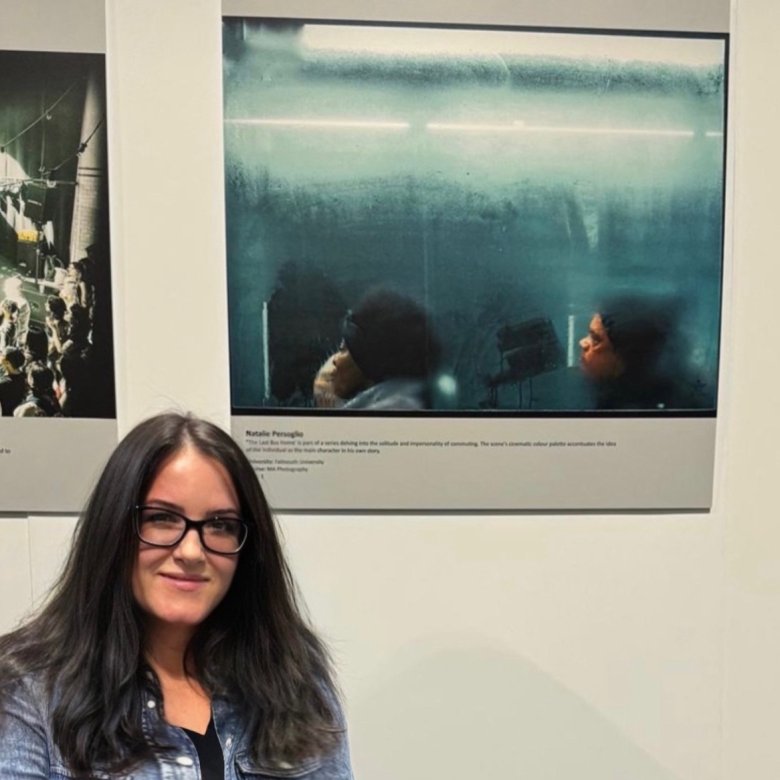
(25, 730)
(24, 710)
(28, 691)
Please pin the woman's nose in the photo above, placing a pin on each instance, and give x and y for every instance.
(584, 343)
(190, 546)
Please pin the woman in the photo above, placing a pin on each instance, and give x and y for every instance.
(56, 328)
(172, 645)
(12, 289)
(79, 326)
(75, 289)
(8, 314)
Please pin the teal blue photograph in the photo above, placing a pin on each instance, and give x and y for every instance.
(468, 221)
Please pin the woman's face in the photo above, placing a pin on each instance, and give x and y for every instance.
(598, 360)
(180, 586)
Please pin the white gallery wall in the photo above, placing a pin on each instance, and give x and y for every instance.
(596, 647)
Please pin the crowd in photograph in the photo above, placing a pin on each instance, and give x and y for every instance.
(45, 365)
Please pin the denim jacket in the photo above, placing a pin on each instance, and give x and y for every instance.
(27, 751)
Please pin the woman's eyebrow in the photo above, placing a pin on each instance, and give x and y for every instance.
(163, 504)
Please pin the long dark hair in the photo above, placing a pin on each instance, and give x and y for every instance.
(87, 642)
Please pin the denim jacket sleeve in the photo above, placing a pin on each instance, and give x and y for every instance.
(24, 745)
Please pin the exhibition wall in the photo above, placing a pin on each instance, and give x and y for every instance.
(588, 645)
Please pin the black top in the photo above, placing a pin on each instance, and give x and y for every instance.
(212, 763)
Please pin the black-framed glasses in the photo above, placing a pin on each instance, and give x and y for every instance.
(162, 527)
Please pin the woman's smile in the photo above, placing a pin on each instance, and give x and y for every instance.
(184, 582)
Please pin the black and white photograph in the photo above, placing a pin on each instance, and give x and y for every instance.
(55, 276)
(57, 385)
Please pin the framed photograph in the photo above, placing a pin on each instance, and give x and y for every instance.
(57, 392)
(480, 264)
